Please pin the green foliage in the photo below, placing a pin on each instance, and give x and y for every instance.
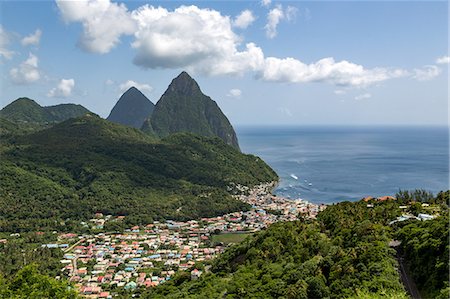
(345, 254)
(425, 246)
(87, 165)
(29, 283)
(27, 111)
(184, 108)
(418, 195)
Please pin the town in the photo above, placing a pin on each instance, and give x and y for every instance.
(147, 256)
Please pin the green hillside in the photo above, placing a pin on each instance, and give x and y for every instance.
(87, 165)
(184, 108)
(27, 112)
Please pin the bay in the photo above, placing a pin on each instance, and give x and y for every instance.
(331, 164)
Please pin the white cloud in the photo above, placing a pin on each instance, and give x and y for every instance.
(63, 90)
(426, 73)
(266, 3)
(130, 83)
(202, 40)
(5, 40)
(234, 93)
(342, 73)
(273, 18)
(276, 15)
(27, 72)
(340, 91)
(363, 96)
(109, 82)
(244, 19)
(32, 39)
(103, 22)
(443, 60)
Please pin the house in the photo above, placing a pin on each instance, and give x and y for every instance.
(425, 217)
(195, 274)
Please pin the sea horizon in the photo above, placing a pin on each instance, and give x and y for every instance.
(329, 164)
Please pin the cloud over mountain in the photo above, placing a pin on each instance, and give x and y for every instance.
(202, 40)
(63, 90)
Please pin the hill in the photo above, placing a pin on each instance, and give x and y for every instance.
(184, 108)
(87, 165)
(27, 112)
(304, 259)
(132, 109)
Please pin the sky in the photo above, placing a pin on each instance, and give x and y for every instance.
(264, 62)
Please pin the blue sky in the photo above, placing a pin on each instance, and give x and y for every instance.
(272, 63)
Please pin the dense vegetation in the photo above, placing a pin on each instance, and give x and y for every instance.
(87, 165)
(425, 247)
(184, 108)
(344, 254)
(27, 112)
(29, 283)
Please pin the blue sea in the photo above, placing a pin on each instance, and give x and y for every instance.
(332, 164)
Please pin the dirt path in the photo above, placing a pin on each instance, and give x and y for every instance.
(408, 282)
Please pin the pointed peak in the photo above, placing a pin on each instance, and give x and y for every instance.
(132, 89)
(184, 83)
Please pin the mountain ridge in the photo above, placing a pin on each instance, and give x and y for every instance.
(26, 110)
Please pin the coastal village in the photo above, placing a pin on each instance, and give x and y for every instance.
(103, 264)
(147, 256)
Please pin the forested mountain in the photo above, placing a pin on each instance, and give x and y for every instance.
(184, 108)
(132, 109)
(27, 111)
(86, 165)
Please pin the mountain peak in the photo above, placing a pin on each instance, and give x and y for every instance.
(132, 108)
(27, 110)
(184, 108)
(184, 84)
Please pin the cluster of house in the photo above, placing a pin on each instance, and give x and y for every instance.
(150, 255)
(285, 209)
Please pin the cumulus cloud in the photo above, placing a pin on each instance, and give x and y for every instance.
(363, 96)
(63, 90)
(27, 72)
(273, 18)
(426, 73)
(443, 60)
(5, 40)
(244, 19)
(130, 83)
(266, 3)
(103, 23)
(202, 41)
(234, 93)
(342, 73)
(32, 39)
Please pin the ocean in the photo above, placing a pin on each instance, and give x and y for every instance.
(332, 164)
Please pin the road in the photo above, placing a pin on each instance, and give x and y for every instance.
(408, 282)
